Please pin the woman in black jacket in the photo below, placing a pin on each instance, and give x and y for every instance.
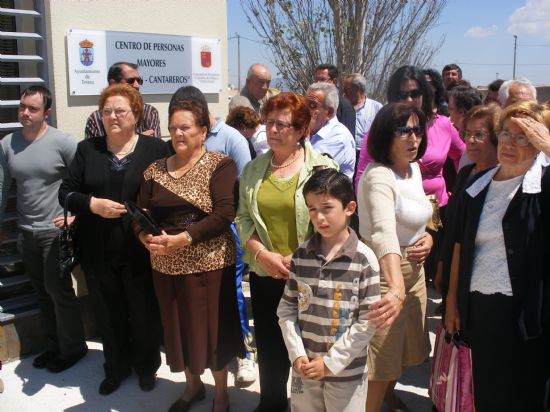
(105, 172)
(499, 295)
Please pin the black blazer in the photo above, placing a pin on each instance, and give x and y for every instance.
(345, 113)
(526, 229)
(87, 176)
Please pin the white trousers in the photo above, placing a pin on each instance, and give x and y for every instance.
(308, 395)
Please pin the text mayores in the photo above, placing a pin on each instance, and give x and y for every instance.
(168, 79)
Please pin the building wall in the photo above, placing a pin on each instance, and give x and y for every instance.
(199, 18)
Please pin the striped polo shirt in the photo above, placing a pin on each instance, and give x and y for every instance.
(323, 311)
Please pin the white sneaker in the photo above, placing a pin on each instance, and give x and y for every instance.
(246, 372)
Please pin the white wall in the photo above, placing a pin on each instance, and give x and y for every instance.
(200, 18)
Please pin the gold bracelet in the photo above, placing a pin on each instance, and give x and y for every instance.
(396, 294)
(258, 253)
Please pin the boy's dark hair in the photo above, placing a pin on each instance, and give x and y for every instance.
(330, 182)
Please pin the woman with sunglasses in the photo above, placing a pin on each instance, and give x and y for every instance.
(408, 84)
(393, 212)
(499, 289)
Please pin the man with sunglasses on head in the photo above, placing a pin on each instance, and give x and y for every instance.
(124, 72)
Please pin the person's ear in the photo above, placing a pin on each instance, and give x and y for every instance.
(349, 210)
(111, 82)
(47, 113)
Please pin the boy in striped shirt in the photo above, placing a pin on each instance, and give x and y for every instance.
(323, 311)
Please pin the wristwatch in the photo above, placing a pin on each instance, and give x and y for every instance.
(188, 237)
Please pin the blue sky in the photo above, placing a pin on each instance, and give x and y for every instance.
(479, 38)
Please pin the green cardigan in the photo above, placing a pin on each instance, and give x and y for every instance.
(248, 218)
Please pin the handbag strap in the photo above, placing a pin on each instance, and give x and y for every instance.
(66, 208)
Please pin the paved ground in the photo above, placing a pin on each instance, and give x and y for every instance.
(31, 390)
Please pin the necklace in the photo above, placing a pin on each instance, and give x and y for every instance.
(118, 154)
(281, 166)
(188, 166)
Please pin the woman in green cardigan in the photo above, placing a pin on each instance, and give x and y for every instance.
(272, 221)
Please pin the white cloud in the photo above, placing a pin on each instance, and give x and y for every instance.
(478, 31)
(533, 18)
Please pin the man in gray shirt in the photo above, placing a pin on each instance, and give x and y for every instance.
(36, 157)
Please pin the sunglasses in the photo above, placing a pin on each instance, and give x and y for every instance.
(406, 132)
(414, 94)
(132, 80)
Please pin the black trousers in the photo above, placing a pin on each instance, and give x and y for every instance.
(59, 306)
(127, 313)
(265, 293)
(509, 373)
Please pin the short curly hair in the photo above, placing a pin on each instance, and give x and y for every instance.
(242, 116)
(129, 93)
(297, 105)
(490, 114)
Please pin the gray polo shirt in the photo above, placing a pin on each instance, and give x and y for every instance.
(37, 168)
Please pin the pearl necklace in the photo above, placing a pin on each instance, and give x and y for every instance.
(273, 165)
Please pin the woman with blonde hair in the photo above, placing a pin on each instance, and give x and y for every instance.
(499, 289)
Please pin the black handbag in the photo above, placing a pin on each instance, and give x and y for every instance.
(68, 255)
(142, 218)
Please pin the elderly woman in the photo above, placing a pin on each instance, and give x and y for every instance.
(272, 220)
(191, 196)
(480, 124)
(105, 172)
(408, 84)
(499, 291)
(393, 212)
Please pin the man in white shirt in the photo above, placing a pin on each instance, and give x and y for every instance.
(328, 135)
(355, 90)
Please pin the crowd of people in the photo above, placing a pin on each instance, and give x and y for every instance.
(342, 211)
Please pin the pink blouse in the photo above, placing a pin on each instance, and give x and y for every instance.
(443, 142)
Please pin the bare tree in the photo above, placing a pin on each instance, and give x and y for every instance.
(372, 37)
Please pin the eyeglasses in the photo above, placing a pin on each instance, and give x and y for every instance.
(117, 112)
(517, 139)
(406, 132)
(414, 94)
(278, 125)
(478, 135)
(132, 80)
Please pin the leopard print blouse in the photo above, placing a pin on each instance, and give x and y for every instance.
(194, 187)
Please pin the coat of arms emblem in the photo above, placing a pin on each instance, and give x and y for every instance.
(206, 56)
(86, 52)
